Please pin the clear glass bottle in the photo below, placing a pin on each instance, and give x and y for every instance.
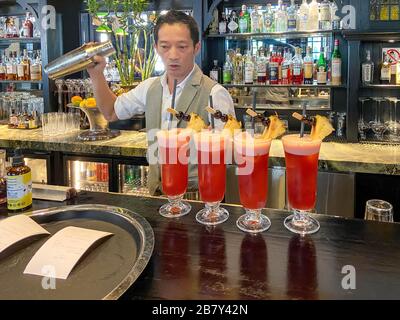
(298, 71)
(27, 28)
(367, 69)
(3, 68)
(233, 25)
(255, 20)
(214, 73)
(248, 69)
(238, 69)
(325, 15)
(269, 19)
(36, 68)
(23, 68)
(303, 16)
(11, 68)
(386, 71)
(292, 17)
(335, 18)
(222, 26)
(281, 19)
(261, 67)
(313, 16)
(287, 69)
(308, 67)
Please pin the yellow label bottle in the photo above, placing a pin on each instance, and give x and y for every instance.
(19, 184)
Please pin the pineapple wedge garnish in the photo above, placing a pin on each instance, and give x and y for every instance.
(275, 129)
(196, 123)
(232, 124)
(321, 129)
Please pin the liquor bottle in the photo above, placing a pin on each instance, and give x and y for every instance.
(292, 17)
(233, 25)
(280, 61)
(313, 16)
(238, 70)
(335, 18)
(322, 72)
(261, 67)
(274, 69)
(244, 20)
(11, 68)
(248, 69)
(298, 73)
(287, 69)
(222, 26)
(303, 16)
(27, 29)
(214, 73)
(336, 65)
(398, 73)
(386, 70)
(227, 71)
(325, 16)
(3, 69)
(281, 19)
(308, 67)
(255, 20)
(393, 65)
(23, 68)
(384, 12)
(269, 19)
(367, 76)
(36, 68)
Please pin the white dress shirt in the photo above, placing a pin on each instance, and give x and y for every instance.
(134, 101)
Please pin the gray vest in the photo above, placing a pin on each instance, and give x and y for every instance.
(194, 98)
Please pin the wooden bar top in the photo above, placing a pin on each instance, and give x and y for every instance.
(190, 261)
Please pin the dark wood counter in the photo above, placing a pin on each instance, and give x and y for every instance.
(192, 262)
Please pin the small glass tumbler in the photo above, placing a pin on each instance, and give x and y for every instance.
(379, 210)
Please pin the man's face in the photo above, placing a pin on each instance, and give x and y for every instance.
(176, 49)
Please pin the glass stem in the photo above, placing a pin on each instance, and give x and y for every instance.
(212, 208)
(175, 201)
(253, 214)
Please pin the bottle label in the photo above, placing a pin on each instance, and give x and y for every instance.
(292, 24)
(243, 28)
(248, 73)
(21, 70)
(308, 70)
(385, 73)
(325, 13)
(367, 73)
(35, 72)
(11, 69)
(214, 75)
(336, 68)
(297, 70)
(321, 76)
(233, 26)
(2, 69)
(227, 77)
(222, 27)
(268, 23)
(19, 191)
(273, 71)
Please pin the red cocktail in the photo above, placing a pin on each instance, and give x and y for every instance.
(173, 151)
(251, 155)
(211, 148)
(301, 156)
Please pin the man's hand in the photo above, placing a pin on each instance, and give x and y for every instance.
(98, 68)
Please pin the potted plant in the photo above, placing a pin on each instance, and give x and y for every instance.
(133, 36)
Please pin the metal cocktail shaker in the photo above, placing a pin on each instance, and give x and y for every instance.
(78, 59)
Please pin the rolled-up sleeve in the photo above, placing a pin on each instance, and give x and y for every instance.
(133, 102)
(223, 102)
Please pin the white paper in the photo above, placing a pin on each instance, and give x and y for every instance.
(17, 228)
(59, 255)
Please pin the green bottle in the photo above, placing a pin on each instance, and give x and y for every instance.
(321, 68)
(227, 71)
(244, 20)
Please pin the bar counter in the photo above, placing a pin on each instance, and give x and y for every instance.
(190, 261)
(335, 157)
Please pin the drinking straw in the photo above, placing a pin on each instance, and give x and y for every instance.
(172, 103)
(302, 122)
(253, 124)
(212, 115)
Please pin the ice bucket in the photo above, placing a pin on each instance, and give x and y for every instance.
(78, 59)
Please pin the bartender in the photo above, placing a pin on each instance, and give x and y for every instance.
(177, 42)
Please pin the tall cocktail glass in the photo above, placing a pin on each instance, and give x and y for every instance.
(301, 156)
(251, 155)
(173, 152)
(211, 147)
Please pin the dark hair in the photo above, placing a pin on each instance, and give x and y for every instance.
(174, 16)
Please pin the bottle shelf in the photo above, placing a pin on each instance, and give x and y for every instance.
(5, 41)
(21, 81)
(380, 86)
(271, 35)
(300, 86)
